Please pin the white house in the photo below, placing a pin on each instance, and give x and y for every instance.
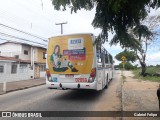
(21, 61)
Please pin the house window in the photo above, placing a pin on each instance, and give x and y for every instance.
(25, 52)
(23, 68)
(14, 68)
(42, 67)
(44, 53)
(1, 69)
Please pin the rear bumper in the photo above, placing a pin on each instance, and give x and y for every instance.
(56, 85)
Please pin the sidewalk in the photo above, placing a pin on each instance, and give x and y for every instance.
(19, 85)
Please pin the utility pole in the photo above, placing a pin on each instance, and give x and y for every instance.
(61, 26)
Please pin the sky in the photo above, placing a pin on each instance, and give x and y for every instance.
(38, 17)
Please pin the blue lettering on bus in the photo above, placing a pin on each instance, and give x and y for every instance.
(77, 41)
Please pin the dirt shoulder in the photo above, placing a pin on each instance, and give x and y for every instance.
(139, 95)
(136, 95)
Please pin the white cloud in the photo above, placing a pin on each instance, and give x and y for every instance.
(29, 16)
(153, 59)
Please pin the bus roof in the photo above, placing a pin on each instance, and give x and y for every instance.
(73, 34)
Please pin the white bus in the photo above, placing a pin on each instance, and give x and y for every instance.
(74, 62)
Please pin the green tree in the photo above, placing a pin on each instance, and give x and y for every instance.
(112, 15)
(118, 16)
(142, 35)
(130, 56)
(127, 66)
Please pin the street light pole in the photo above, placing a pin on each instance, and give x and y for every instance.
(61, 26)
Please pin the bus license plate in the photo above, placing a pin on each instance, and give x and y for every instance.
(69, 76)
(81, 80)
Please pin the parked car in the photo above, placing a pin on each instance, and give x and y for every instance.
(116, 68)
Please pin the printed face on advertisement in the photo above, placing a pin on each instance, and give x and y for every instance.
(56, 50)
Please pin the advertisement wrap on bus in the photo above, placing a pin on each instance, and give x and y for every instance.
(72, 62)
(68, 55)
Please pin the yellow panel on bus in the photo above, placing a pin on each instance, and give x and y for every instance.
(70, 54)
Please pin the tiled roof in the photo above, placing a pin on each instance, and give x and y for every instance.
(9, 58)
(23, 44)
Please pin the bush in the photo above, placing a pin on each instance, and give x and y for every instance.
(127, 66)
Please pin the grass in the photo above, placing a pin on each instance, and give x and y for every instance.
(151, 70)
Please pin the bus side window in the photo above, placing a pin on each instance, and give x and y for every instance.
(99, 55)
(111, 59)
(106, 59)
(103, 59)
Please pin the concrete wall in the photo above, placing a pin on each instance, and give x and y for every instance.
(42, 74)
(24, 56)
(39, 52)
(20, 75)
(10, 49)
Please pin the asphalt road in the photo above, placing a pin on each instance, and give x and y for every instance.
(42, 99)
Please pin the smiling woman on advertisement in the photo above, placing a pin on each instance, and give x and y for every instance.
(59, 63)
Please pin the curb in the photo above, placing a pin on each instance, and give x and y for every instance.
(21, 88)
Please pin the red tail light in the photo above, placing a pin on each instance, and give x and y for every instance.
(93, 72)
(48, 73)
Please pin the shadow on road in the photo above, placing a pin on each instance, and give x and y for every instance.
(80, 95)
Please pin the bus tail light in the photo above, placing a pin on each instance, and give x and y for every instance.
(92, 75)
(48, 75)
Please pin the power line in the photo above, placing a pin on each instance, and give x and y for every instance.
(13, 18)
(35, 10)
(6, 15)
(31, 11)
(11, 36)
(23, 32)
(4, 39)
(16, 41)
